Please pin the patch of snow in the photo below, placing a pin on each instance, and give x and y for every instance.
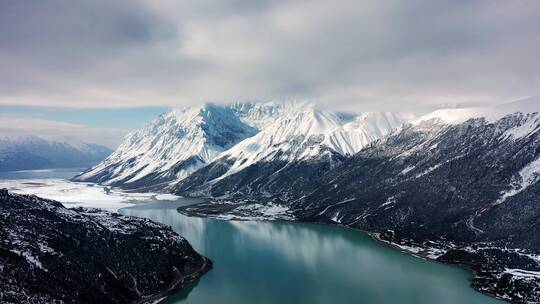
(529, 127)
(525, 274)
(428, 170)
(336, 204)
(407, 170)
(269, 211)
(336, 217)
(389, 201)
(29, 258)
(528, 175)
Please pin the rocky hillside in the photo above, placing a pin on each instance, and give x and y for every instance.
(50, 254)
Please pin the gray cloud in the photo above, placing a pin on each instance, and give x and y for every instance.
(345, 54)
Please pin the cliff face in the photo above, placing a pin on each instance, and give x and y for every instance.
(50, 253)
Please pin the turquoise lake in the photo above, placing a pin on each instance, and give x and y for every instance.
(280, 262)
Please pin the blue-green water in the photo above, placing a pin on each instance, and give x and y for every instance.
(278, 262)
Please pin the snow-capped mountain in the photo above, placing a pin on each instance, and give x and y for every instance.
(309, 132)
(177, 144)
(170, 147)
(302, 136)
(28, 152)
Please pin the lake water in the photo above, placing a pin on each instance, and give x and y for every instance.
(278, 262)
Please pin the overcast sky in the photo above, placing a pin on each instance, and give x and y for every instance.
(346, 54)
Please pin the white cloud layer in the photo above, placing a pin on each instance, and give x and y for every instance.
(344, 54)
(13, 127)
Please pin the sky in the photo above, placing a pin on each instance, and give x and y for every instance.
(113, 64)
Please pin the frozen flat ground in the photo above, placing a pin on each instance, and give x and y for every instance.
(73, 194)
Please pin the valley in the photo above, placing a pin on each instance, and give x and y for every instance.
(458, 187)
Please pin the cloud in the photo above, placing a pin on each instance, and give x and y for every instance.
(345, 54)
(53, 130)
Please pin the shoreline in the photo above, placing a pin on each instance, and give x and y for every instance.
(372, 235)
(178, 284)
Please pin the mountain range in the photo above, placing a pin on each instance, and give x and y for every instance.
(458, 186)
(30, 152)
(229, 140)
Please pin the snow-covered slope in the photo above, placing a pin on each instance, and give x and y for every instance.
(170, 147)
(302, 140)
(263, 114)
(178, 143)
(27, 152)
(309, 132)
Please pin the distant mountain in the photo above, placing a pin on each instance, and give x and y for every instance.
(220, 142)
(28, 152)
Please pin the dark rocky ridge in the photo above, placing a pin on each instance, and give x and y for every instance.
(51, 254)
(269, 178)
(436, 189)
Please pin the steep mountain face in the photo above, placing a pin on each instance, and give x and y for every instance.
(288, 153)
(170, 147)
(51, 254)
(33, 152)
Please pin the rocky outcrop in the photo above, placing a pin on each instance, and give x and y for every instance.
(51, 254)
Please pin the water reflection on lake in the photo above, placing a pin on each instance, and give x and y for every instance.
(278, 262)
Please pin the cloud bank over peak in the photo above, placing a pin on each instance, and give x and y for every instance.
(346, 54)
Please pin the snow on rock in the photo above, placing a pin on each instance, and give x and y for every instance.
(529, 175)
(407, 170)
(530, 124)
(520, 273)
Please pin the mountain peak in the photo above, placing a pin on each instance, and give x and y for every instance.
(171, 146)
(491, 113)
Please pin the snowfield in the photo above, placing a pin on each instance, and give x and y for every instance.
(72, 194)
